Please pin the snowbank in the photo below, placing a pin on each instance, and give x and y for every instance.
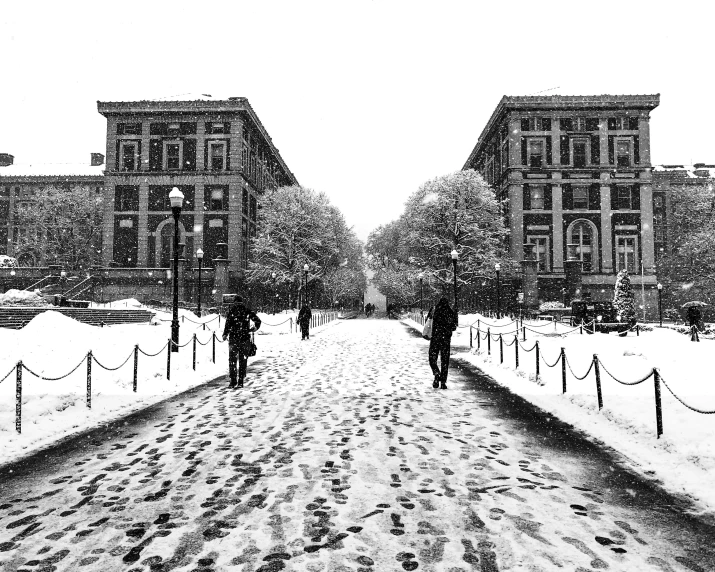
(22, 298)
(682, 460)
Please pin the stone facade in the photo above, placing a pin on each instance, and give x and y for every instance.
(575, 170)
(216, 152)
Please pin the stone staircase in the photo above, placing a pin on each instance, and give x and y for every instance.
(15, 317)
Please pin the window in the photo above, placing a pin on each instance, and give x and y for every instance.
(536, 152)
(625, 198)
(580, 198)
(623, 123)
(657, 201)
(253, 209)
(245, 202)
(582, 236)
(129, 156)
(579, 150)
(626, 253)
(623, 153)
(214, 128)
(536, 124)
(537, 197)
(129, 128)
(217, 198)
(217, 155)
(126, 198)
(541, 251)
(172, 155)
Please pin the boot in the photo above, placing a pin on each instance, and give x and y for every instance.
(435, 383)
(232, 384)
(443, 385)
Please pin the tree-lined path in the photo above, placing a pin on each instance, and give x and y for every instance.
(339, 456)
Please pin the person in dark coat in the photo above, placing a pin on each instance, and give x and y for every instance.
(238, 331)
(304, 321)
(444, 322)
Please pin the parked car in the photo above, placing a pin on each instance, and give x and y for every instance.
(7, 261)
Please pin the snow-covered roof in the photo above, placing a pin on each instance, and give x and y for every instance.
(697, 171)
(182, 97)
(52, 170)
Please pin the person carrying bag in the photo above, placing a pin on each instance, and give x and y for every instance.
(239, 332)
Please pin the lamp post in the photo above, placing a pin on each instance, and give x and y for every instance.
(305, 290)
(455, 255)
(497, 267)
(63, 277)
(200, 258)
(660, 303)
(273, 275)
(421, 305)
(176, 198)
(12, 279)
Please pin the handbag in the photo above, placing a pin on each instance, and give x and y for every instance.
(249, 347)
(427, 331)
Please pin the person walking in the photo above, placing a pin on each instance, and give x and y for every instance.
(444, 322)
(238, 331)
(304, 321)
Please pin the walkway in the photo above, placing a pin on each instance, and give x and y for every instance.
(339, 456)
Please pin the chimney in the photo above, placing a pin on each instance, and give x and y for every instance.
(6, 159)
(97, 159)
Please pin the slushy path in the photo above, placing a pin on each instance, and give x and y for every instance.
(339, 456)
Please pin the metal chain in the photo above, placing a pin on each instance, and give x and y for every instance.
(623, 382)
(531, 350)
(204, 343)
(283, 322)
(55, 378)
(8, 374)
(511, 344)
(156, 354)
(547, 363)
(112, 368)
(683, 402)
(577, 377)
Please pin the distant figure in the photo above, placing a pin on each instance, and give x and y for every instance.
(444, 322)
(304, 317)
(238, 331)
(694, 320)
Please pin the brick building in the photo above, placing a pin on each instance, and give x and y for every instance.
(20, 182)
(575, 170)
(215, 151)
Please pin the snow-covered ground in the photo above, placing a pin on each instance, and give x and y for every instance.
(683, 459)
(51, 345)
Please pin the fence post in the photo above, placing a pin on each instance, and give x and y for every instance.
(580, 328)
(536, 345)
(594, 325)
(501, 349)
(291, 324)
(479, 340)
(182, 318)
(563, 369)
(471, 345)
(18, 397)
(598, 381)
(168, 360)
(89, 380)
(213, 347)
(554, 325)
(516, 349)
(489, 341)
(638, 330)
(658, 407)
(194, 361)
(523, 331)
(136, 365)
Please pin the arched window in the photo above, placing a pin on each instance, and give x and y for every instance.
(583, 234)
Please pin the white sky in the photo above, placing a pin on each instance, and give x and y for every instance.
(365, 100)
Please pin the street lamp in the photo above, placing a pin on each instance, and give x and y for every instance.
(421, 306)
(660, 303)
(176, 198)
(200, 258)
(63, 277)
(497, 267)
(455, 255)
(273, 275)
(305, 291)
